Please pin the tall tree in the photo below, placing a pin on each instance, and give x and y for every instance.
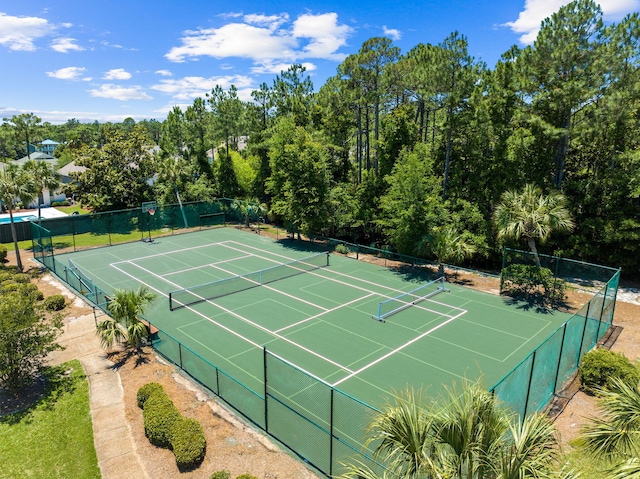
(117, 175)
(172, 169)
(227, 115)
(44, 178)
(365, 72)
(299, 179)
(409, 207)
(26, 126)
(566, 71)
(292, 94)
(531, 214)
(196, 121)
(16, 184)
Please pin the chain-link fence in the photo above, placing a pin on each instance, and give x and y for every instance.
(321, 424)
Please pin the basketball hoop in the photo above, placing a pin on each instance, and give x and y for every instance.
(149, 207)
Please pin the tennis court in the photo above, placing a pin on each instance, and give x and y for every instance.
(325, 319)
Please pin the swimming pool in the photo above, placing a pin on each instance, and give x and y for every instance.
(17, 219)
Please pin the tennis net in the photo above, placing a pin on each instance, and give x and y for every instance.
(208, 291)
(396, 304)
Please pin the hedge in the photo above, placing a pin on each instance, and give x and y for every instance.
(165, 427)
(188, 443)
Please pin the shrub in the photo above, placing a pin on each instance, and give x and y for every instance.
(32, 290)
(8, 286)
(531, 282)
(188, 443)
(599, 366)
(4, 276)
(342, 249)
(221, 475)
(159, 415)
(148, 390)
(60, 203)
(246, 476)
(21, 278)
(55, 302)
(3, 253)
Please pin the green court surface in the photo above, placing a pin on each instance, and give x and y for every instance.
(321, 320)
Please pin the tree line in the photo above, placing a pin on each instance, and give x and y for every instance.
(402, 149)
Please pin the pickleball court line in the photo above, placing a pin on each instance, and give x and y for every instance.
(391, 353)
(228, 311)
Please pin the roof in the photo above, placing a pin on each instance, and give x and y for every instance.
(71, 168)
(49, 142)
(39, 156)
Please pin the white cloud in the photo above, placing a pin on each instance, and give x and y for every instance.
(117, 74)
(267, 40)
(528, 22)
(164, 73)
(188, 88)
(58, 117)
(68, 73)
(324, 34)
(65, 45)
(20, 33)
(392, 33)
(117, 92)
(277, 68)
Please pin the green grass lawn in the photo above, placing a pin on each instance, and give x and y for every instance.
(72, 209)
(54, 437)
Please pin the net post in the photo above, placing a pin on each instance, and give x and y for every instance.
(328, 258)
(170, 301)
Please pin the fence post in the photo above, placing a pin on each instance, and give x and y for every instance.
(331, 435)
(526, 402)
(564, 332)
(266, 408)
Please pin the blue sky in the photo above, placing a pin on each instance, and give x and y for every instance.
(108, 60)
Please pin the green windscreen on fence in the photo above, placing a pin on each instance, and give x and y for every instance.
(320, 423)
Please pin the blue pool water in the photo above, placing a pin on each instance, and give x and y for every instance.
(17, 219)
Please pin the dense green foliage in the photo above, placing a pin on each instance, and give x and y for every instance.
(54, 436)
(146, 391)
(159, 415)
(413, 151)
(165, 427)
(26, 335)
(530, 282)
(188, 443)
(55, 302)
(599, 368)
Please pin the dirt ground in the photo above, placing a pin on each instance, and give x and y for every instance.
(234, 446)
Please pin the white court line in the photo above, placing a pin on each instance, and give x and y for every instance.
(202, 266)
(419, 306)
(191, 248)
(382, 358)
(273, 289)
(323, 313)
(256, 325)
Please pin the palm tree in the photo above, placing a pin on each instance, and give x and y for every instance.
(171, 169)
(469, 435)
(615, 433)
(447, 245)
(15, 183)
(124, 325)
(43, 178)
(249, 209)
(530, 214)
